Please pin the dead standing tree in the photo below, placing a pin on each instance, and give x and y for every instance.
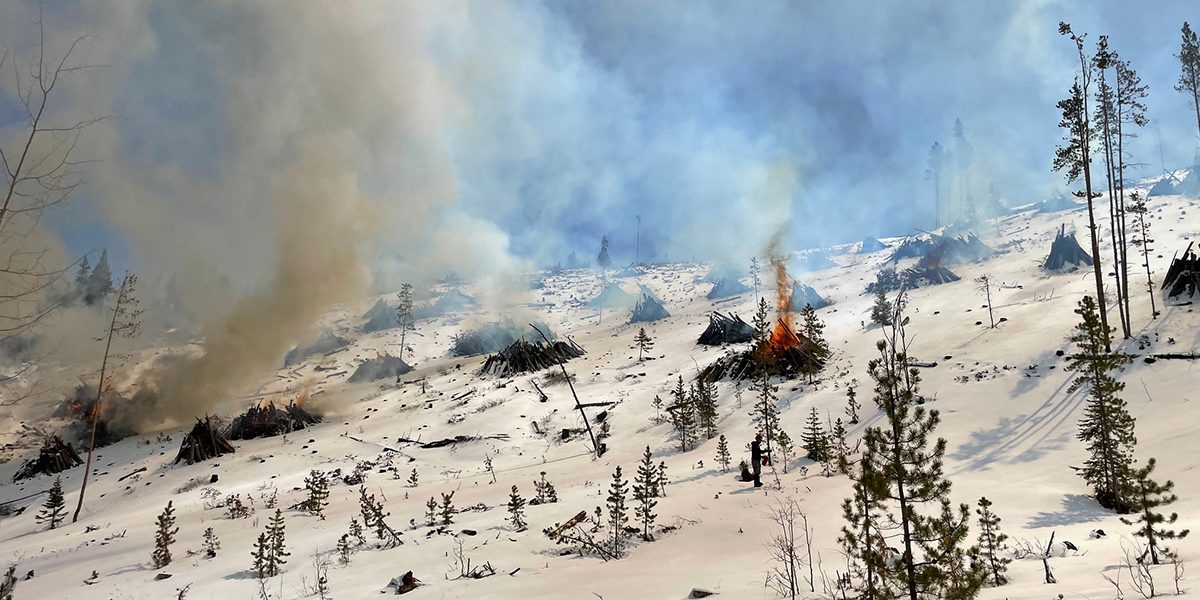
(599, 451)
(40, 171)
(125, 323)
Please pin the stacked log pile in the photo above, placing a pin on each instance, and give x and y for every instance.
(526, 357)
(55, 456)
(726, 329)
(269, 420)
(202, 443)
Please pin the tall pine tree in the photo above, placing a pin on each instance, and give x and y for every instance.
(1189, 68)
(910, 467)
(618, 516)
(645, 490)
(814, 439)
(1106, 426)
(765, 414)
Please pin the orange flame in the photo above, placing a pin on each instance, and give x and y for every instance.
(783, 335)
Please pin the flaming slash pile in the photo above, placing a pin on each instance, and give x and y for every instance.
(785, 353)
(84, 406)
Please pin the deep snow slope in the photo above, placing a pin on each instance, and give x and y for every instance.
(1002, 393)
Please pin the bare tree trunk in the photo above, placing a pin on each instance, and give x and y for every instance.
(112, 328)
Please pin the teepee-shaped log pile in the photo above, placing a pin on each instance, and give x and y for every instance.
(202, 443)
(648, 308)
(526, 357)
(1182, 281)
(787, 354)
(55, 456)
(805, 295)
(1066, 253)
(726, 329)
(727, 287)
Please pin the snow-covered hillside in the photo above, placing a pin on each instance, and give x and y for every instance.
(1002, 393)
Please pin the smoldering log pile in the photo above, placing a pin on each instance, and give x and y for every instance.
(1065, 253)
(202, 443)
(788, 354)
(267, 420)
(494, 337)
(55, 456)
(727, 287)
(82, 406)
(726, 329)
(647, 309)
(1182, 281)
(384, 366)
(526, 357)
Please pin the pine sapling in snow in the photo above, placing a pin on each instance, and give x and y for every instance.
(317, 485)
(447, 508)
(431, 511)
(164, 536)
(356, 531)
(644, 342)
(343, 549)
(765, 414)
(543, 491)
(516, 509)
(645, 490)
(412, 479)
(783, 443)
(618, 516)
(683, 417)
(852, 405)
(210, 544)
(991, 543)
(487, 464)
(704, 399)
(1146, 496)
(723, 456)
(9, 584)
(814, 439)
(881, 311)
(54, 509)
(662, 479)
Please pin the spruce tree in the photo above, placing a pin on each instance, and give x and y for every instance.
(447, 508)
(356, 531)
(99, 283)
(662, 479)
(762, 324)
(1148, 495)
(839, 450)
(783, 443)
(543, 491)
(54, 509)
(516, 509)
(657, 404)
(210, 544)
(643, 341)
(881, 311)
(276, 544)
(683, 416)
(813, 328)
(261, 555)
(164, 536)
(645, 490)
(618, 516)
(991, 543)
(814, 439)
(911, 467)
(852, 405)
(431, 511)
(765, 414)
(1106, 426)
(723, 456)
(317, 485)
(412, 479)
(603, 259)
(1189, 68)
(704, 399)
(81, 276)
(343, 549)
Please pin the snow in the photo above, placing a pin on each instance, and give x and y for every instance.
(1002, 393)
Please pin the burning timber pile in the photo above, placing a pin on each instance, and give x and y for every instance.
(527, 357)
(83, 406)
(1182, 281)
(202, 443)
(55, 456)
(786, 354)
(726, 329)
(266, 420)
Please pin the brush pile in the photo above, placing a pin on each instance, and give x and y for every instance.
(267, 420)
(726, 329)
(1182, 282)
(202, 443)
(1065, 253)
(55, 456)
(787, 354)
(805, 295)
(527, 357)
(727, 287)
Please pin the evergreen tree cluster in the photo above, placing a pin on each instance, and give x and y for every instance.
(270, 550)
(93, 284)
(693, 412)
(317, 486)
